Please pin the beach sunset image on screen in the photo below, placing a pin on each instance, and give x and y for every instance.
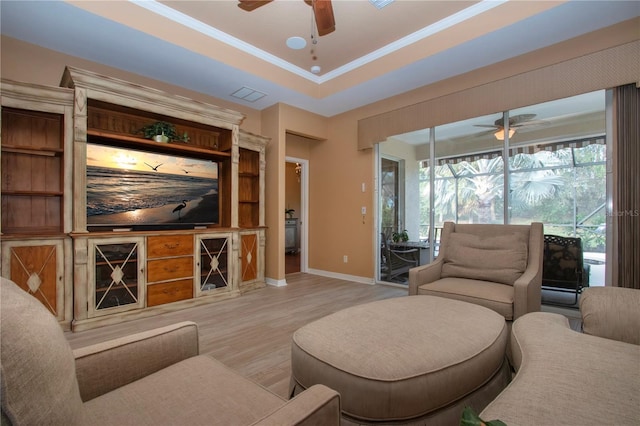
(131, 187)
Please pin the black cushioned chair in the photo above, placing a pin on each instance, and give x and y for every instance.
(563, 267)
(397, 262)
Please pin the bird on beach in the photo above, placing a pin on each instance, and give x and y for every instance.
(154, 168)
(185, 171)
(179, 208)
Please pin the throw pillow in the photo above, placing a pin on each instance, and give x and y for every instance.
(500, 259)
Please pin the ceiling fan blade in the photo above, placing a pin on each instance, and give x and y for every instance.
(485, 133)
(250, 5)
(323, 11)
(514, 120)
(531, 123)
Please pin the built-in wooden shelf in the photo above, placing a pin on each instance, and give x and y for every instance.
(33, 150)
(32, 172)
(33, 193)
(48, 135)
(171, 147)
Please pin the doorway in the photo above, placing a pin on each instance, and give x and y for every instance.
(295, 215)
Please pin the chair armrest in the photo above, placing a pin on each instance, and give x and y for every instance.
(410, 256)
(424, 274)
(611, 312)
(318, 405)
(527, 291)
(106, 366)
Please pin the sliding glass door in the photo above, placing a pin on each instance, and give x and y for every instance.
(544, 162)
(390, 196)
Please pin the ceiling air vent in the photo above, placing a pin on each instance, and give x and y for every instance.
(248, 94)
(379, 4)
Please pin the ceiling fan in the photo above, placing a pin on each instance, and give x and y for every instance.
(515, 122)
(322, 11)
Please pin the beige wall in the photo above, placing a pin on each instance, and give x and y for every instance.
(337, 168)
(337, 228)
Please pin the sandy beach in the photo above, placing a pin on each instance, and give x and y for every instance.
(196, 211)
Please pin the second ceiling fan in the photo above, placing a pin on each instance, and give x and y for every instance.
(515, 122)
(322, 12)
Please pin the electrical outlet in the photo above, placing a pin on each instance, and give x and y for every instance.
(345, 258)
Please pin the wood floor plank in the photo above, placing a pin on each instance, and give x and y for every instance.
(252, 333)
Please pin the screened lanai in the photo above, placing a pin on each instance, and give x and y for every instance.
(544, 163)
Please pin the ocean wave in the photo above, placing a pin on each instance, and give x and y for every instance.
(115, 191)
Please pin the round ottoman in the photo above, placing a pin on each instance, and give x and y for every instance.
(411, 359)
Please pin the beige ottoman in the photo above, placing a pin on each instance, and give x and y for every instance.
(414, 359)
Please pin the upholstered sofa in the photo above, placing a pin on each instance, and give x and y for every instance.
(151, 378)
(565, 377)
(495, 266)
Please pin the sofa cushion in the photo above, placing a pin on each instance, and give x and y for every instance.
(500, 259)
(38, 372)
(495, 296)
(196, 391)
(568, 378)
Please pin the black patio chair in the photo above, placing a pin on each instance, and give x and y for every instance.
(563, 267)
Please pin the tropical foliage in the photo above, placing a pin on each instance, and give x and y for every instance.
(564, 189)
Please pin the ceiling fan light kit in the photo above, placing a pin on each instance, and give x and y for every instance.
(500, 134)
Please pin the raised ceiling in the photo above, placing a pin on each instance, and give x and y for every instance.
(216, 48)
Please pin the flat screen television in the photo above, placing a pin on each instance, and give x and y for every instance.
(131, 189)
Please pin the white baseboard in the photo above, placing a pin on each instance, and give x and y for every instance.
(275, 283)
(329, 274)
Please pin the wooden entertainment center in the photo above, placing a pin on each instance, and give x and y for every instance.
(90, 276)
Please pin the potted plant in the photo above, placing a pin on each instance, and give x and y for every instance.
(289, 213)
(160, 131)
(400, 236)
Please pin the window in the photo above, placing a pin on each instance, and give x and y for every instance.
(544, 162)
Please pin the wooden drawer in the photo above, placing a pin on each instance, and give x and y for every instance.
(158, 294)
(169, 269)
(169, 245)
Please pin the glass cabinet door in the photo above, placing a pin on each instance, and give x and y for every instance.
(213, 263)
(117, 276)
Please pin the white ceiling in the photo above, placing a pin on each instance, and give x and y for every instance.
(216, 48)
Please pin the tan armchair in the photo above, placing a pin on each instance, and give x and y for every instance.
(150, 378)
(496, 266)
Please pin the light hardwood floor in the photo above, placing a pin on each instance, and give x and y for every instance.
(252, 333)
